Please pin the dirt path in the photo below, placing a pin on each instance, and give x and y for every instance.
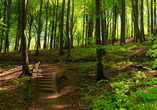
(50, 100)
(61, 98)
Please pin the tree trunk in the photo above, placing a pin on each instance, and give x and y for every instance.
(62, 29)
(100, 71)
(148, 13)
(67, 29)
(30, 31)
(52, 29)
(86, 35)
(114, 24)
(45, 38)
(142, 24)
(25, 61)
(16, 48)
(55, 27)
(152, 24)
(39, 29)
(136, 27)
(123, 24)
(72, 25)
(155, 29)
(83, 32)
(103, 29)
(8, 27)
(3, 31)
(90, 30)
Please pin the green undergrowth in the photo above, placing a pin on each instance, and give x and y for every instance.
(86, 69)
(23, 87)
(82, 53)
(152, 50)
(128, 90)
(125, 92)
(136, 45)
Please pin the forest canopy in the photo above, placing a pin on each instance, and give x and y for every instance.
(51, 22)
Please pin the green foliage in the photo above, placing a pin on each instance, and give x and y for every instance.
(137, 92)
(86, 69)
(111, 63)
(152, 49)
(81, 53)
(2, 105)
(21, 101)
(114, 48)
(3, 24)
(134, 45)
(126, 62)
(119, 55)
(24, 88)
(3, 91)
(19, 80)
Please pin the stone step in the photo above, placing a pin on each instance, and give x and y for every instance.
(45, 85)
(46, 89)
(45, 79)
(45, 82)
(49, 75)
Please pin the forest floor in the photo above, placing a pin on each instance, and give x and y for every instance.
(13, 93)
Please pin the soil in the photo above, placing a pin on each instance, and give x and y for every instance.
(15, 97)
(65, 97)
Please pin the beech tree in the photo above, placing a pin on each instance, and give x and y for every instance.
(17, 41)
(25, 60)
(3, 16)
(123, 23)
(39, 29)
(8, 26)
(46, 26)
(67, 29)
(99, 52)
(62, 29)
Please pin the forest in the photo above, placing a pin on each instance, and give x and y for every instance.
(78, 55)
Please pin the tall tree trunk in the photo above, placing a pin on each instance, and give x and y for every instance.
(83, 32)
(55, 26)
(39, 29)
(86, 35)
(72, 24)
(30, 31)
(25, 61)
(132, 26)
(18, 29)
(62, 29)
(114, 24)
(100, 71)
(152, 24)
(90, 30)
(45, 38)
(123, 23)
(8, 27)
(136, 24)
(52, 28)
(142, 24)
(103, 29)
(155, 29)
(3, 31)
(148, 13)
(67, 29)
